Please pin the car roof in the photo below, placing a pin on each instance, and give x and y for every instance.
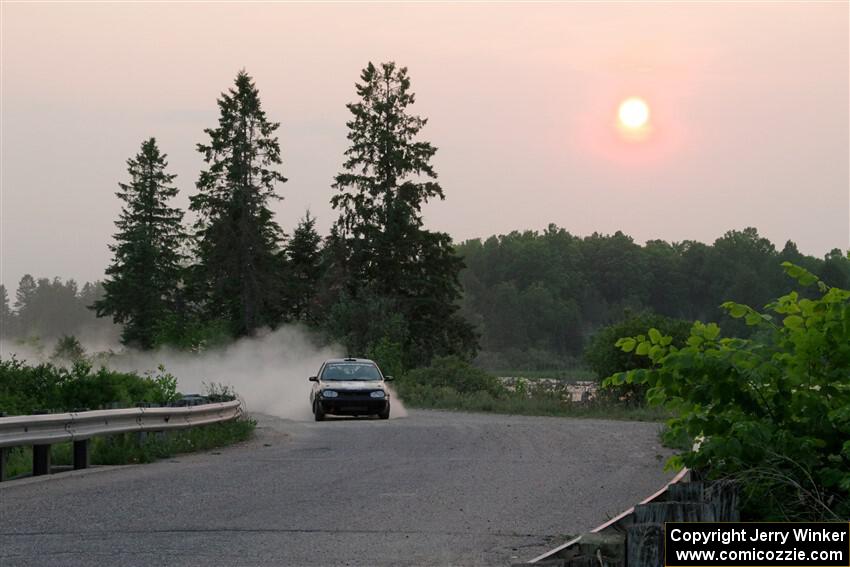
(361, 360)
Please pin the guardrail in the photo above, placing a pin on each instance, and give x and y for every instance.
(618, 523)
(41, 431)
(636, 536)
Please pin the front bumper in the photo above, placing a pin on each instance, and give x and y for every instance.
(354, 405)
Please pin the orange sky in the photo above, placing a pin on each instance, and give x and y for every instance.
(749, 113)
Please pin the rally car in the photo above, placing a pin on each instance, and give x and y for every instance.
(350, 386)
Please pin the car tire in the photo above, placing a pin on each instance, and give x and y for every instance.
(318, 412)
(385, 414)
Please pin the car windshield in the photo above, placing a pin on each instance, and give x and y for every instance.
(351, 371)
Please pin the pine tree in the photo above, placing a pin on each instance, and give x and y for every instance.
(387, 178)
(239, 271)
(142, 281)
(304, 269)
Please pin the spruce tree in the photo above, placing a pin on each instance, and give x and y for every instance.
(387, 178)
(7, 321)
(304, 270)
(25, 293)
(24, 300)
(238, 242)
(143, 280)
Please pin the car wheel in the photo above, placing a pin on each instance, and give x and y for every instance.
(318, 411)
(386, 413)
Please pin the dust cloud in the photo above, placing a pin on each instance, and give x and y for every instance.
(268, 372)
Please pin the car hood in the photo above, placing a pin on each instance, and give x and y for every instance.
(352, 385)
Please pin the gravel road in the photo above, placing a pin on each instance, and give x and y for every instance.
(434, 488)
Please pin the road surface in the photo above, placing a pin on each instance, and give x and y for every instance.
(434, 488)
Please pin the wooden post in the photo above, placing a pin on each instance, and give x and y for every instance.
(686, 502)
(645, 545)
(40, 460)
(660, 512)
(597, 549)
(723, 494)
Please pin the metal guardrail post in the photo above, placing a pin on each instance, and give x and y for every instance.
(81, 454)
(40, 460)
(4, 458)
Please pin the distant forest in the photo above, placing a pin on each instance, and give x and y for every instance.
(534, 298)
(48, 309)
(380, 283)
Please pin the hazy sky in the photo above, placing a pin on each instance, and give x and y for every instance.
(749, 110)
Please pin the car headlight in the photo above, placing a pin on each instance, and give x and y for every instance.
(378, 394)
(329, 394)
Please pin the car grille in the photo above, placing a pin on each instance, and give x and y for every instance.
(353, 393)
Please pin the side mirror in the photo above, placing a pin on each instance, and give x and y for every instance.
(388, 378)
(313, 379)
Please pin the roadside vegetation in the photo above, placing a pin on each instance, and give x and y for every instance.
(129, 448)
(450, 383)
(527, 302)
(537, 298)
(49, 387)
(771, 411)
(52, 387)
(447, 319)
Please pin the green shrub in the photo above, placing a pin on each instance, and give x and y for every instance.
(445, 398)
(68, 349)
(164, 386)
(217, 392)
(389, 356)
(451, 383)
(25, 389)
(605, 359)
(773, 410)
(455, 373)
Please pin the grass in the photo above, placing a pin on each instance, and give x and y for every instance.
(450, 383)
(515, 404)
(127, 448)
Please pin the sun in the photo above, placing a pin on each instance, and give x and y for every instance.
(633, 113)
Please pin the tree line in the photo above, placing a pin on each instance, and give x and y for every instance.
(49, 309)
(380, 283)
(379, 278)
(536, 298)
